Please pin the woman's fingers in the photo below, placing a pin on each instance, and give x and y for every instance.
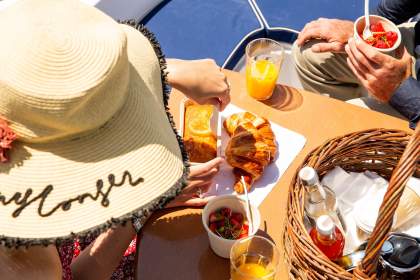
(205, 168)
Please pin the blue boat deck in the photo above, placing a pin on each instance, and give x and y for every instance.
(220, 29)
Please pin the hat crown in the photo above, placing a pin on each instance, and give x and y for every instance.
(63, 68)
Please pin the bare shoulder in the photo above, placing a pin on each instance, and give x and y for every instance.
(36, 262)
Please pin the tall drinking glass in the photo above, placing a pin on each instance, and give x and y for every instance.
(263, 62)
(253, 258)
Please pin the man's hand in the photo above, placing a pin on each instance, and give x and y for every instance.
(379, 73)
(334, 34)
(201, 80)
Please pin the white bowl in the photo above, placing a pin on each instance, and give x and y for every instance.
(359, 25)
(220, 245)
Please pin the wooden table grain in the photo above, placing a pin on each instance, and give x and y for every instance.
(174, 245)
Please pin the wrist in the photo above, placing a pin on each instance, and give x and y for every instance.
(174, 68)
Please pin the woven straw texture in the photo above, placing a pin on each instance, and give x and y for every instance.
(87, 98)
(393, 154)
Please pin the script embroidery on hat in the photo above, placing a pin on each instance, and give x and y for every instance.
(7, 136)
(29, 198)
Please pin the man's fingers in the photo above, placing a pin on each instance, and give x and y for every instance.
(371, 53)
(358, 59)
(355, 71)
(307, 32)
(312, 33)
(328, 47)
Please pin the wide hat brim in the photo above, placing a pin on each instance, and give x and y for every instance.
(132, 165)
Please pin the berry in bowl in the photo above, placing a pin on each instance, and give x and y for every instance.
(224, 219)
(228, 224)
(386, 36)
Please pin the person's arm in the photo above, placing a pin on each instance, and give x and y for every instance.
(386, 78)
(37, 262)
(398, 11)
(201, 80)
(379, 73)
(102, 256)
(406, 100)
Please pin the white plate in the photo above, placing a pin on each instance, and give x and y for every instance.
(289, 144)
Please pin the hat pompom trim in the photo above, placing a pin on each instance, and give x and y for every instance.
(7, 136)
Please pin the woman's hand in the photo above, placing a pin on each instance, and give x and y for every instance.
(201, 80)
(379, 73)
(200, 180)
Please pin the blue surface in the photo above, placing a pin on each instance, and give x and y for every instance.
(295, 14)
(192, 29)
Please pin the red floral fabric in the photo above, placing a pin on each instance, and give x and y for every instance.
(125, 270)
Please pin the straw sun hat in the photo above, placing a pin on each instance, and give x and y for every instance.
(86, 98)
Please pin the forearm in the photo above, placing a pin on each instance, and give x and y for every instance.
(102, 257)
(176, 70)
(406, 100)
(37, 262)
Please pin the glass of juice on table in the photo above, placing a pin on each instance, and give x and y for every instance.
(253, 258)
(263, 62)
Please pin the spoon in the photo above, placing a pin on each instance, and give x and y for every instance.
(366, 31)
(248, 208)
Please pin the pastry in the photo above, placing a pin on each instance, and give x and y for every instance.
(251, 148)
(199, 140)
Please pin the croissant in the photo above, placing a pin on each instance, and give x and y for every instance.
(251, 148)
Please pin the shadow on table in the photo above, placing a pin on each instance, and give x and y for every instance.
(173, 228)
(176, 244)
(284, 98)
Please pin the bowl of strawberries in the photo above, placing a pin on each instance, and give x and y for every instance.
(225, 221)
(386, 36)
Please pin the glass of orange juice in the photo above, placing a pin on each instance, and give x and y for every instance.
(253, 258)
(263, 62)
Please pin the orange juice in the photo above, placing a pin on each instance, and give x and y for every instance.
(261, 77)
(252, 267)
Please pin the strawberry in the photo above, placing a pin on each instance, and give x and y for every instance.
(226, 212)
(228, 224)
(381, 44)
(235, 224)
(238, 217)
(215, 217)
(391, 37)
(213, 227)
(377, 27)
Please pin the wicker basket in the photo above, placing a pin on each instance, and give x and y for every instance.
(390, 153)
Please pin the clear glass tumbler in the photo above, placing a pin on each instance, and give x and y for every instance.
(263, 62)
(253, 258)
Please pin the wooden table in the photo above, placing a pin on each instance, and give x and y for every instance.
(174, 244)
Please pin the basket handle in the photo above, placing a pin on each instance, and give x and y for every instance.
(404, 169)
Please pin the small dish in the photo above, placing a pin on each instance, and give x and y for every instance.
(359, 25)
(220, 245)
